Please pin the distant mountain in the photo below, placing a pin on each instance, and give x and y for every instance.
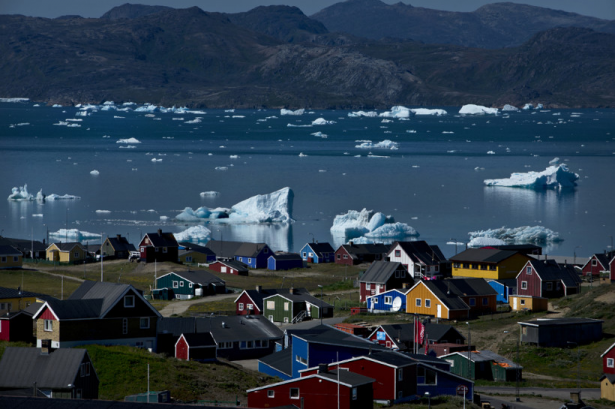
(128, 10)
(491, 26)
(199, 59)
(285, 23)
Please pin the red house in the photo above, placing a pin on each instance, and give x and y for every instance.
(159, 246)
(382, 276)
(236, 268)
(608, 360)
(546, 278)
(16, 326)
(392, 373)
(599, 262)
(353, 254)
(320, 390)
(250, 302)
(195, 347)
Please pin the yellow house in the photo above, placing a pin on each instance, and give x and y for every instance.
(15, 299)
(66, 252)
(488, 263)
(528, 303)
(607, 387)
(10, 257)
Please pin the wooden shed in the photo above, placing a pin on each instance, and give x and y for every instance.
(528, 303)
(559, 332)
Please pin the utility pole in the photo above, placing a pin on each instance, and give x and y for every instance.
(469, 350)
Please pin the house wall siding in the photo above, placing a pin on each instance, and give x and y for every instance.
(607, 390)
(245, 300)
(167, 282)
(422, 292)
(181, 349)
(339, 257)
(605, 368)
(508, 268)
(10, 262)
(278, 312)
(534, 283)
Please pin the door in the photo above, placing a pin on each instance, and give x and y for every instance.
(439, 311)
(271, 318)
(515, 304)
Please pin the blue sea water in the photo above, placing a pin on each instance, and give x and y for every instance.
(433, 182)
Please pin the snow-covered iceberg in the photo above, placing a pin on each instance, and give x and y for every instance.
(322, 121)
(369, 225)
(14, 99)
(73, 235)
(289, 112)
(520, 235)
(20, 194)
(485, 242)
(471, 109)
(370, 114)
(403, 112)
(194, 234)
(554, 177)
(392, 231)
(386, 144)
(209, 194)
(509, 108)
(129, 140)
(54, 196)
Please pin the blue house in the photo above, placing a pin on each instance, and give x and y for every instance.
(254, 255)
(285, 261)
(389, 301)
(318, 253)
(438, 382)
(505, 288)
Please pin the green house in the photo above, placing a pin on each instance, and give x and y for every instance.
(485, 365)
(185, 285)
(294, 306)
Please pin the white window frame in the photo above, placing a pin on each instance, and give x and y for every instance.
(301, 360)
(388, 299)
(427, 303)
(271, 393)
(524, 285)
(367, 286)
(270, 305)
(250, 307)
(144, 322)
(610, 363)
(165, 250)
(127, 304)
(355, 395)
(175, 284)
(181, 283)
(189, 285)
(286, 306)
(249, 260)
(76, 254)
(375, 300)
(528, 270)
(290, 393)
(417, 302)
(48, 325)
(240, 306)
(522, 301)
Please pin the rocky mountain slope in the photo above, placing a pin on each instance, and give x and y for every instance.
(491, 26)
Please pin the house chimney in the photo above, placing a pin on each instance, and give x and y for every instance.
(119, 236)
(259, 288)
(160, 232)
(351, 243)
(223, 324)
(291, 290)
(323, 368)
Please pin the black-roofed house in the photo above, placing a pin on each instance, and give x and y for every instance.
(117, 247)
(598, 263)
(98, 313)
(254, 255)
(505, 287)
(62, 373)
(485, 364)
(195, 347)
(159, 247)
(16, 299)
(320, 390)
(16, 326)
(233, 267)
(33, 249)
(234, 337)
(561, 332)
(607, 381)
(383, 276)
(184, 285)
(488, 263)
(420, 259)
(72, 252)
(294, 305)
(190, 253)
(402, 336)
(250, 302)
(451, 299)
(547, 279)
(284, 261)
(318, 253)
(353, 254)
(10, 257)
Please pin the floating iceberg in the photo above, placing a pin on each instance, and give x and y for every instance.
(289, 112)
(403, 112)
(20, 194)
(554, 177)
(370, 114)
(319, 134)
(471, 109)
(554, 161)
(129, 140)
(194, 234)
(322, 121)
(509, 108)
(54, 196)
(14, 99)
(527, 107)
(425, 111)
(392, 231)
(209, 194)
(146, 108)
(95, 172)
(485, 242)
(103, 211)
(367, 225)
(73, 235)
(521, 235)
(386, 144)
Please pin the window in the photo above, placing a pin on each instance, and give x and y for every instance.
(354, 394)
(129, 301)
(493, 267)
(524, 285)
(223, 269)
(472, 302)
(610, 362)
(286, 319)
(397, 274)
(265, 343)
(142, 249)
(375, 300)
(124, 326)
(522, 302)
(300, 359)
(250, 307)
(286, 305)
(528, 270)
(190, 285)
(249, 260)
(485, 301)
(240, 306)
(271, 305)
(311, 254)
(164, 250)
(225, 345)
(388, 299)
(271, 393)
(156, 249)
(76, 254)
(48, 325)
(339, 256)
(175, 284)
(265, 250)
(594, 262)
(466, 265)
(189, 259)
(15, 258)
(456, 265)
(3, 259)
(345, 256)
(367, 286)
(426, 376)
(144, 323)
(450, 361)
(397, 253)
(474, 266)
(427, 303)
(84, 369)
(250, 344)
(304, 254)
(437, 268)
(418, 302)
(483, 266)
(400, 375)
(181, 283)
(549, 286)
(294, 393)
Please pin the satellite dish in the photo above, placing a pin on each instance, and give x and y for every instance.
(396, 304)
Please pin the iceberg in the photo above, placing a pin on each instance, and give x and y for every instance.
(358, 114)
(485, 242)
(521, 235)
(103, 211)
(509, 108)
(20, 194)
(527, 107)
(366, 225)
(386, 144)
(14, 99)
(471, 109)
(74, 235)
(554, 161)
(322, 121)
(209, 194)
(194, 234)
(403, 112)
(129, 140)
(95, 172)
(425, 111)
(554, 177)
(289, 112)
(319, 134)
(146, 108)
(393, 231)
(54, 196)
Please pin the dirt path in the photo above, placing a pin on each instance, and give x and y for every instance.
(80, 280)
(179, 307)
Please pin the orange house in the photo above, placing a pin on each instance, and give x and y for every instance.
(451, 299)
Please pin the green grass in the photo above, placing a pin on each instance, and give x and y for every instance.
(38, 282)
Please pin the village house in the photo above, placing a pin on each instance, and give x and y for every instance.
(420, 259)
(250, 302)
(196, 347)
(382, 276)
(295, 305)
(598, 263)
(284, 261)
(253, 255)
(64, 373)
(184, 285)
(233, 267)
(18, 326)
(353, 254)
(16, 299)
(318, 253)
(505, 288)
(488, 263)
(451, 299)
(32, 249)
(485, 365)
(528, 303)
(389, 301)
(72, 252)
(98, 313)
(561, 332)
(548, 279)
(159, 247)
(402, 336)
(190, 253)
(117, 247)
(607, 381)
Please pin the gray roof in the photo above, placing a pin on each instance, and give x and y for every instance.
(237, 265)
(405, 332)
(545, 322)
(449, 291)
(160, 239)
(391, 358)
(381, 271)
(199, 340)
(280, 361)
(319, 248)
(22, 402)
(21, 367)
(287, 256)
(201, 277)
(347, 377)
(23, 245)
(564, 259)
(197, 248)
(230, 249)
(485, 356)
(421, 251)
(250, 249)
(109, 292)
(300, 295)
(68, 246)
(549, 270)
(7, 250)
(73, 309)
(120, 243)
(322, 334)
(483, 255)
(6, 292)
(354, 249)
(508, 282)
